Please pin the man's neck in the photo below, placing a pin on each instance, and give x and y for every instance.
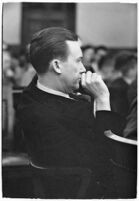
(51, 85)
(49, 82)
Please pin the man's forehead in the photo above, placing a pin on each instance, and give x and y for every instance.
(74, 47)
(73, 43)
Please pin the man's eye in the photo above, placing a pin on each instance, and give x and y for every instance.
(79, 60)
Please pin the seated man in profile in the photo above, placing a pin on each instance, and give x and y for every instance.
(60, 129)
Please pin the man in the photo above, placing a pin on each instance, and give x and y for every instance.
(130, 130)
(100, 52)
(88, 57)
(106, 67)
(126, 64)
(59, 128)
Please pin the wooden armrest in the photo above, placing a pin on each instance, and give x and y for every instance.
(124, 151)
(117, 138)
(13, 159)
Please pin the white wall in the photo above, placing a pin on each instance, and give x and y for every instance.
(111, 24)
(12, 23)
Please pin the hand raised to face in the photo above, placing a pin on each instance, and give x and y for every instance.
(94, 85)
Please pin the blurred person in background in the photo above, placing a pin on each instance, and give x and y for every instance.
(88, 57)
(130, 130)
(7, 99)
(23, 70)
(4, 46)
(8, 74)
(28, 72)
(126, 68)
(132, 92)
(106, 68)
(100, 51)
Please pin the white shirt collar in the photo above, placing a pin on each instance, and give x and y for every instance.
(51, 91)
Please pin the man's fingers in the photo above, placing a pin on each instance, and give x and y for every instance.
(88, 77)
(83, 79)
(96, 78)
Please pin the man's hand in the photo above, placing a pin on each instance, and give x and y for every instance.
(94, 85)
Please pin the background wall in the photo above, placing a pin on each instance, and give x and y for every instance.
(12, 23)
(111, 24)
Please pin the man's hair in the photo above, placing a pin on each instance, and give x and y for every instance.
(101, 47)
(124, 61)
(86, 47)
(49, 44)
(107, 60)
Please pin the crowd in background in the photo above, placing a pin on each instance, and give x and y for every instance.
(117, 69)
(111, 66)
(17, 69)
(119, 72)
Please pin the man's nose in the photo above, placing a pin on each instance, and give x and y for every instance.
(83, 69)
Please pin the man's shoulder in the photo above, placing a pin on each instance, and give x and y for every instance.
(33, 102)
(31, 110)
(119, 83)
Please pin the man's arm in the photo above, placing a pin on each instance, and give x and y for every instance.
(94, 85)
(105, 119)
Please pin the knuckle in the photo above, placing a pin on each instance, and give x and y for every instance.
(88, 81)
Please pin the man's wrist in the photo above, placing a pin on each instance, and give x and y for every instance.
(103, 103)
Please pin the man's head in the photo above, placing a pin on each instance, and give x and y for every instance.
(126, 63)
(100, 51)
(7, 60)
(88, 54)
(106, 67)
(56, 52)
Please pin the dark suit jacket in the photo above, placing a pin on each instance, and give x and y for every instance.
(130, 130)
(64, 132)
(119, 96)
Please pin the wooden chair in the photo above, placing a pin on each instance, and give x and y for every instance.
(10, 100)
(16, 176)
(124, 162)
(42, 175)
(17, 167)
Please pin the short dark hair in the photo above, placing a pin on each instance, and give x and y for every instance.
(124, 61)
(101, 47)
(86, 47)
(106, 60)
(48, 44)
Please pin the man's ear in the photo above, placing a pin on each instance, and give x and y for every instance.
(56, 66)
